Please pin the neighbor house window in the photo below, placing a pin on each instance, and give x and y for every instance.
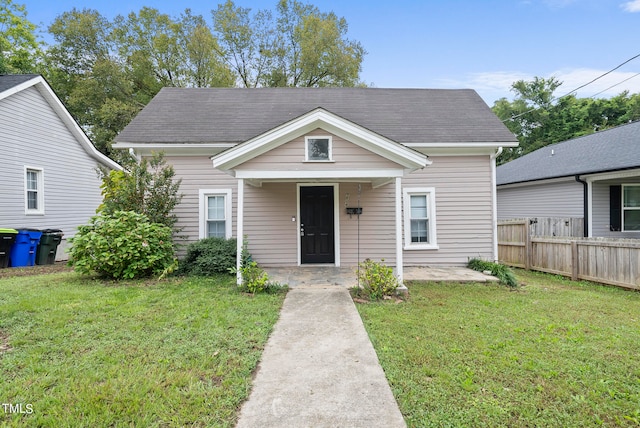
(215, 213)
(33, 190)
(419, 218)
(631, 207)
(318, 148)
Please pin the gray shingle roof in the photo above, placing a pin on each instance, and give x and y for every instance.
(8, 81)
(610, 150)
(233, 115)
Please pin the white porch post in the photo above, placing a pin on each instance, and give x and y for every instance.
(399, 260)
(494, 203)
(240, 229)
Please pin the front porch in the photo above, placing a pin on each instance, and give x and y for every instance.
(322, 276)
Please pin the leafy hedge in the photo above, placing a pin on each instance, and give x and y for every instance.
(123, 245)
(209, 256)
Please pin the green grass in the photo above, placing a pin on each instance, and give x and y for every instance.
(89, 353)
(553, 353)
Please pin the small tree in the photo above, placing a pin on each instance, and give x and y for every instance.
(146, 187)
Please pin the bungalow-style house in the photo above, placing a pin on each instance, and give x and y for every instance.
(595, 177)
(48, 176)
(331, 175)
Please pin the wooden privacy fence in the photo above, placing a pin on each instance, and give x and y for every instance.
(605, 260)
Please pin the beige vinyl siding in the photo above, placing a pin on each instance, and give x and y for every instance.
(377, 224)
(272, 236)
(197, 173)
(291, 156)
(557, 199)
(32, 134)
(600, 221)
(463, 210)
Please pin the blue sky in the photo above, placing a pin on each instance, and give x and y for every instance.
(485, 45)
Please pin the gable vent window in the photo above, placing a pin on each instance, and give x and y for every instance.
(318, 149)
(33, 191)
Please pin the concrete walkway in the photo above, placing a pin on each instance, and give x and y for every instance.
(319, 368)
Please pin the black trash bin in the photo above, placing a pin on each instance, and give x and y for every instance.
(48, 246)
(7, 237)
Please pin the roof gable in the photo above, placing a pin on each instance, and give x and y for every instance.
(235, 115)
(320, 118)
(12, 84)
(610, 150)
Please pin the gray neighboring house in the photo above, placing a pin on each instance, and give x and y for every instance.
(48, 165)
(595, 177)
(289, 168)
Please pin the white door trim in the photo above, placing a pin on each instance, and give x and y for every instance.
(336, 218)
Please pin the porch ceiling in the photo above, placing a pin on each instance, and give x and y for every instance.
(377, 178)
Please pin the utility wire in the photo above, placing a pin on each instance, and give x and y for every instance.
(580, 87)
(613, 86)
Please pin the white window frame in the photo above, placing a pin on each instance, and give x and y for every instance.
(318, 137)
(204, 195)
(430, 193)
(39, 191)
(627, 208)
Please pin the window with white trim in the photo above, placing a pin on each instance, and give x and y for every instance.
(33, 190)
(215, 213)
(419, 219)
(631, 207)
(318, 149)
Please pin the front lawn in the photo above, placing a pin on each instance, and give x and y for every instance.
(79, 352)
(554, 353)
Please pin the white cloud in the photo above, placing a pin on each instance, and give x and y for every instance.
(608, 86)
(631, 6)
(494, 85)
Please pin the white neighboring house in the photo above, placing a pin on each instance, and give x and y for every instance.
(48, 177)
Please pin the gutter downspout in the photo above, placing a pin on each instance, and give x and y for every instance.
(494, 208)
(585, 204)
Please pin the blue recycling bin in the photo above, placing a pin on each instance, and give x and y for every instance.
(23, 250)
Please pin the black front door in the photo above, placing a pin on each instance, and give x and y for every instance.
(316, 224)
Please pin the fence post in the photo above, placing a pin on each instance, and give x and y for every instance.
(574, 260)
(527, 245)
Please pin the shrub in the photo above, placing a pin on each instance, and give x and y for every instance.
(500, 271)
(209, 256)
(377, 279)
(123, 245)
(254, 278)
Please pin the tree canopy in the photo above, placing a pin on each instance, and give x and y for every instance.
(538, 118)
(105, 71)
(19, 45)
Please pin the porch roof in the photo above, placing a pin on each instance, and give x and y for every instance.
(406, 158)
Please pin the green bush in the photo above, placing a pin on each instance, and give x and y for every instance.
(500, 271)
(254, 278)
(146, 187)
(377, 279)
(209, 256)
(123, 245)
